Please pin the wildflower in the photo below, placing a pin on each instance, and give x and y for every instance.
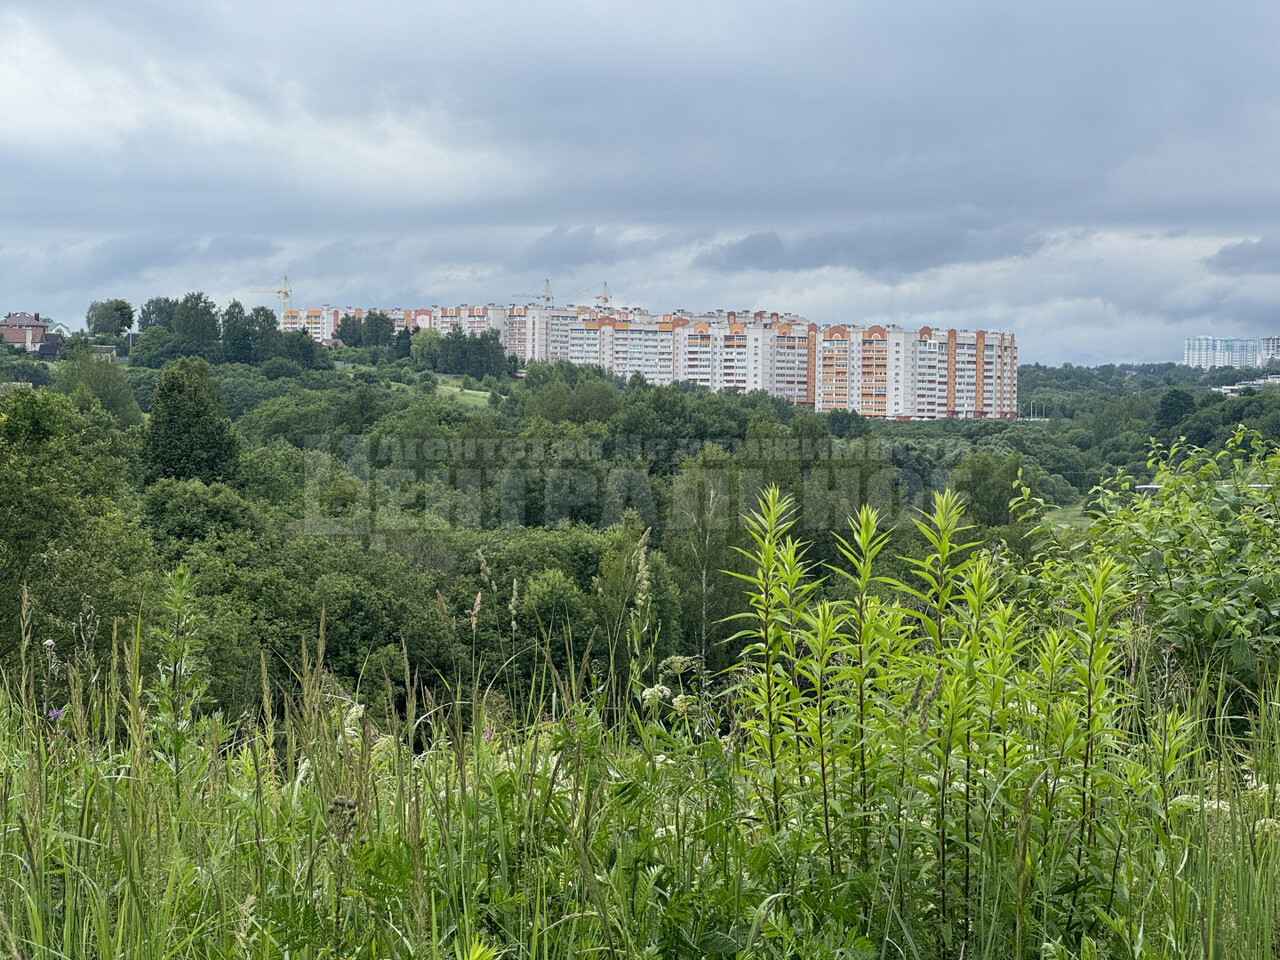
(55, 714)
(683, 704)
(652, 696)
(351, 723)
(48, 644)
(1268, 829)
(676, 666)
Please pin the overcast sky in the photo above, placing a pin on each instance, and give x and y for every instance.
(1100, 178)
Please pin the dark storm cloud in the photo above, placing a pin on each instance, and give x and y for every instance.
(1029, 162)
(566, 249)
(884, 250)
(1247, 256)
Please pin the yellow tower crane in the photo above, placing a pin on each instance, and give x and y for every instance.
(544, 296)
(603, 298)
(282, 290)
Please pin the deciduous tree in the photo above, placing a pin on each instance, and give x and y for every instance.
(195, 323)
(157, 312)
(189, 434)
(109, 318)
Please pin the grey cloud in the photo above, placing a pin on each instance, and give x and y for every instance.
(879, 141)
(1247, 256)
(566, 249)
(884, 250)
(223, 248)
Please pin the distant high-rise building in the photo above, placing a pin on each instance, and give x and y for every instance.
(1209, 352)
(879, 371)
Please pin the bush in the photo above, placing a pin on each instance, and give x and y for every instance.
(281, 367)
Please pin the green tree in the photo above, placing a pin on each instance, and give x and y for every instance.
(701, 537)
(986, 479)
(424, 349)
(377, 330)
(157, 312)
(1204, 557)
(61, 533)
(188, 434)
(105, 380)
(349, 331)
(265, 334)
(402, 344)
(156, 347)
(552, 403)
(195, 324)
(180, 512)
(595, 400)
(1175, 406)
(237, 334)
(109, 318)
(304, 351)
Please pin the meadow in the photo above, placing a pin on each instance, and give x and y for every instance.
(986, 758)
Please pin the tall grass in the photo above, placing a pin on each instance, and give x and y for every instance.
(969, 764)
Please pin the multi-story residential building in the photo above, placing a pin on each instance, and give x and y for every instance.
(794, 342)
(628, 347)
(724, 353)
(528, 331)
(879, 370)
(885, 371)
(468, 319)
(1208, 352)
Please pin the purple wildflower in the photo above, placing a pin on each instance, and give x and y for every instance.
(55, 714)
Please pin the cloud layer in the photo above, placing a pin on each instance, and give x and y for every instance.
(1098, 178)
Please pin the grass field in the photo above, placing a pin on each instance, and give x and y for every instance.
(471, 398)
(973, 767)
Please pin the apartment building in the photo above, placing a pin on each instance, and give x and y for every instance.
(724, 354)
(468, 319)
(881, 370)
(888, 372)
(527, 331)
(1208, 352)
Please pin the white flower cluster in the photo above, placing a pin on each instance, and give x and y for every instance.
(684, 704)
(652, 696)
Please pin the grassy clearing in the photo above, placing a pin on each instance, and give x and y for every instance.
(975, 767)
(469, 398)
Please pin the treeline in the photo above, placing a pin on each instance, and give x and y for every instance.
(387, 497)
(386, 501)
(193, 326)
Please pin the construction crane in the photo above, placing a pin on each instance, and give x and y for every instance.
(602, 296)
(282, 290)
(544, 296)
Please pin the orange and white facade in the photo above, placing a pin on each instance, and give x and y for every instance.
(889, 372)
(880, 370)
